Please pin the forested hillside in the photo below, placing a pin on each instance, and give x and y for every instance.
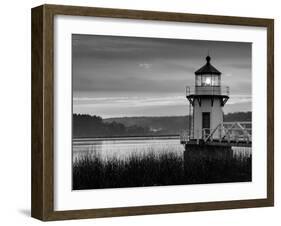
(95, 126)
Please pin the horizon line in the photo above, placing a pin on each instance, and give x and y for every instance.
(150, 116)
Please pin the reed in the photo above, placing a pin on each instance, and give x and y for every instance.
(169, 168)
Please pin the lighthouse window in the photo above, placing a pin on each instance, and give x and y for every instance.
(215, 80)
(206, 80)
(198, 80)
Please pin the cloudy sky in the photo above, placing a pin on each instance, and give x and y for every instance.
(128, 76)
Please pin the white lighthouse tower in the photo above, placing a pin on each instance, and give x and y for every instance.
(207, 99)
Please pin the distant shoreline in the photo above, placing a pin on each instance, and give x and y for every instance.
(86, 126)
(164, 136)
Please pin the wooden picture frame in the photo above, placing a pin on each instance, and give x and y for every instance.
(42, 203)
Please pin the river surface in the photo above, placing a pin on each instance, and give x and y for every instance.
(122, 148)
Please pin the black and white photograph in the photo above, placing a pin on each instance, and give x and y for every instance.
(160, 112)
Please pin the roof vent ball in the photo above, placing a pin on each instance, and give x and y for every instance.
(208, 58)
(207, 69)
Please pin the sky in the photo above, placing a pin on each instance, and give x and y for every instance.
(115, 76)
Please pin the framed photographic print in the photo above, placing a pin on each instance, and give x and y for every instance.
(141, 112)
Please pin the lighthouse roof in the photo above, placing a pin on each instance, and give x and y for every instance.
(208, 68)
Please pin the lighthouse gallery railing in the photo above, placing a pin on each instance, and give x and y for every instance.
(207, 90)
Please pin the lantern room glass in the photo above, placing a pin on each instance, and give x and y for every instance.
(207, 80)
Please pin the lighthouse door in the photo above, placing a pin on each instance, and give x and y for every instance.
(206, 124)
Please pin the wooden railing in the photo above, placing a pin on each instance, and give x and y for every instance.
(224, 132)
(232, 131)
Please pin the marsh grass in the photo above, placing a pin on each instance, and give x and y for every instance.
(151, 169)
(216, 167)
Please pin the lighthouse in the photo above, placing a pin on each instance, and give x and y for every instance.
(207, 132)
(209, 140)
(207, 99)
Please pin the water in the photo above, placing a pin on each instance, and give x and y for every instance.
(122, 148)
(242, 151)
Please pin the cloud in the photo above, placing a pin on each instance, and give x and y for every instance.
(141, 101)
(130, 101)
(238, 99)
(148, 106)
(148, 75)
(145, 65)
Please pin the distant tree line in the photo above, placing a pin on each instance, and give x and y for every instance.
(238, 117)
(93, 126)
(163, 125)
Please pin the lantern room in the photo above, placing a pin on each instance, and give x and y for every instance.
(208, 75)
(207, 79)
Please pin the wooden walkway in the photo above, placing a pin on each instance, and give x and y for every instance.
(217, 143)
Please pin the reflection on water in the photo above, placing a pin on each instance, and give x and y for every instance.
(122, 148)
(242, 151)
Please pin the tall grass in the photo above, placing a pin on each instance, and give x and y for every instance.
(150, 169)
(216, 167)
